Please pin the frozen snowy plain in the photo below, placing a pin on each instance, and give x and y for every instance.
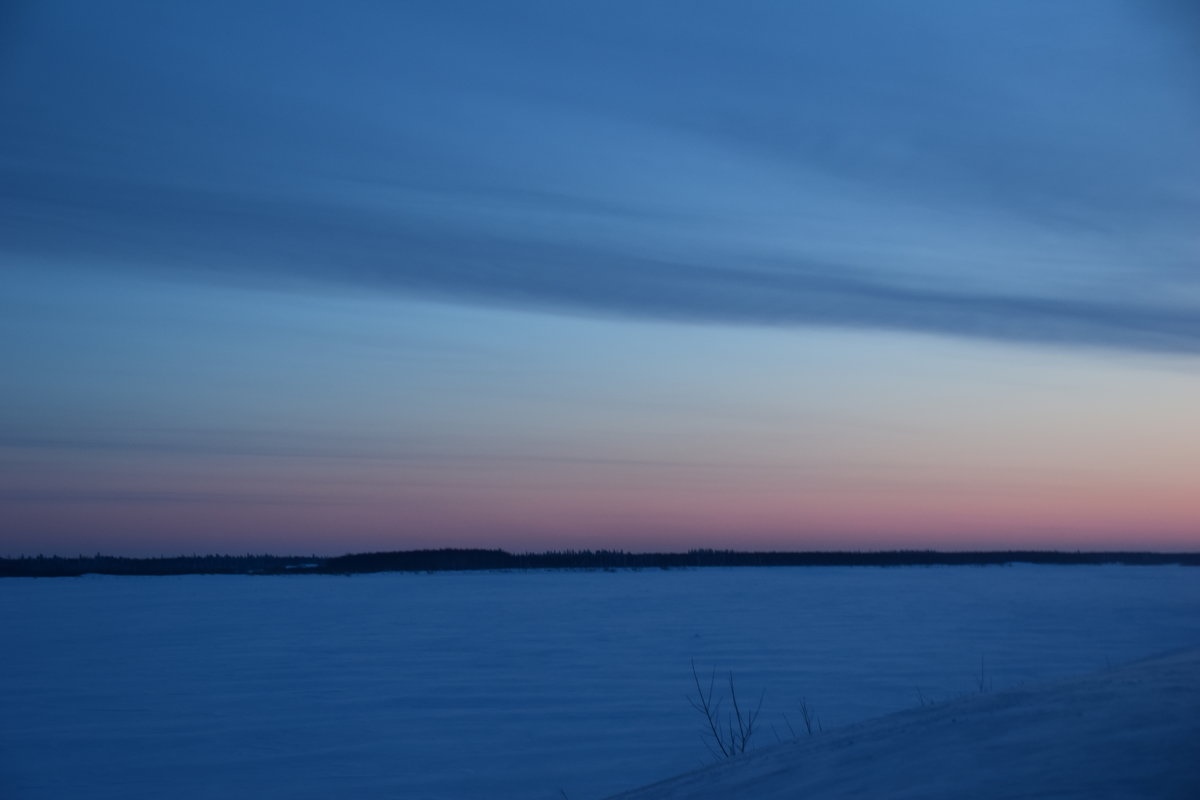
(497, 685)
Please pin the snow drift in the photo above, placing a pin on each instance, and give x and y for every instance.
(1132, 731)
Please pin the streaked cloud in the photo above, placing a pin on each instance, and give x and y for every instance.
(1022, 171)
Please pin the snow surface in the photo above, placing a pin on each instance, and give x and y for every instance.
(499, 685)
(1132, 732)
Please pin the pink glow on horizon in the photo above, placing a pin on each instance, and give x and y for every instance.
(634, 520)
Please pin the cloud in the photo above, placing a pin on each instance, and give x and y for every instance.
(962, 171)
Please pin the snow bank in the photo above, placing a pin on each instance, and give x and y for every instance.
(1132, 731)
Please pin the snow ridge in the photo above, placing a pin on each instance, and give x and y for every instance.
(1131, 731)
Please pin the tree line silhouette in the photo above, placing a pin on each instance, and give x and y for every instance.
(74, 566)
(448, 559)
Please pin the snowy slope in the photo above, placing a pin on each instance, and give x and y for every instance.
(1131, 732)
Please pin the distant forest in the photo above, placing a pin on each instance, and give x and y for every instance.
(475, 559)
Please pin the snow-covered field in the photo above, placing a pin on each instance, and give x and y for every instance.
(495, 685)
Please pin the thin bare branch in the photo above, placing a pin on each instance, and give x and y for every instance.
(703, 704)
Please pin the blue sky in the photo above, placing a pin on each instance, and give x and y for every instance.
(581, 274)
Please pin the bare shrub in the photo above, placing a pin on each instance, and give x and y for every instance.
(730, 732)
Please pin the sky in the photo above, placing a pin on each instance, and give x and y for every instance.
(305, 277)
